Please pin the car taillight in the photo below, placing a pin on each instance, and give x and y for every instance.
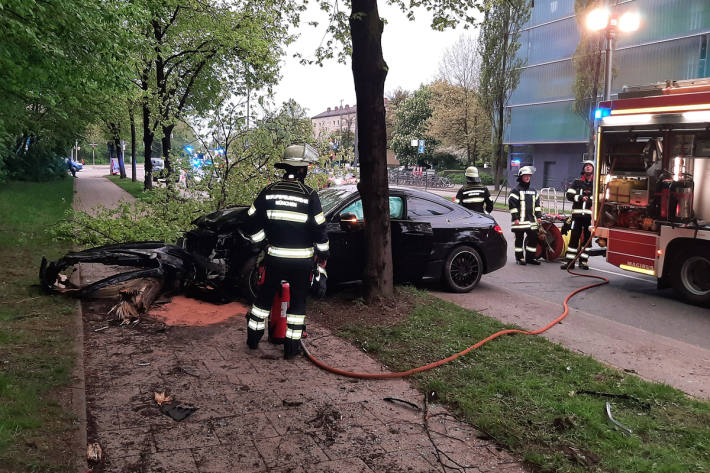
(498, 229)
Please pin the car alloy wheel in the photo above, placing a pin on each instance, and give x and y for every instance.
(463, 269)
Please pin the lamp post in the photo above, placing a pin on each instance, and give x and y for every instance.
(605, 19)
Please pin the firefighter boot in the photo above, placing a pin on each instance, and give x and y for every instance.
(521, 262)
(565, 266)
(534, 262)
(292, 348)
(253, 337)
(583, 265)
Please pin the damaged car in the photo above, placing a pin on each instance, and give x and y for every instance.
(432, 239)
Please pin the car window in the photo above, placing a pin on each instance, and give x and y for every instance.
(330, 198)
(396, 207)
(417, 207)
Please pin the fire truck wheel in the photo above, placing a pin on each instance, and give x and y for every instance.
(463, 269)
(248, 277)
(691, 276)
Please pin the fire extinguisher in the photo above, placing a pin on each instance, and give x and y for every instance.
(277, 318)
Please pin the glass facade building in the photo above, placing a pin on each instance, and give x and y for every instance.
(543, 129)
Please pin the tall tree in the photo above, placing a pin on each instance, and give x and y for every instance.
(192, 49)
(457, 118)
(498, 44)
(369, 73)
(587, 62)
(412, 123)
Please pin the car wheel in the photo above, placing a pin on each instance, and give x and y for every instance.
(463, 269)
(248, 279)
(691, 276)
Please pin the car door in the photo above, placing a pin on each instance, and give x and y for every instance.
(347, 247)
(411, 242)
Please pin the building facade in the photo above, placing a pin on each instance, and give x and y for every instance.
(336, 120)
(543, 129)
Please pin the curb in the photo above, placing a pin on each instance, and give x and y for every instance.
(78, 390)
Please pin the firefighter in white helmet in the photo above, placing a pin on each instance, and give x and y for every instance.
(580, 194)
(288, 216)
(525, 211)
(474, 195)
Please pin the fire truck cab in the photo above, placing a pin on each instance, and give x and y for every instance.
(652, 211)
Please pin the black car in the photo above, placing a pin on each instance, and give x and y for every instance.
(432, 238)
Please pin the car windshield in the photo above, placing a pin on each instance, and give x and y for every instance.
(329, 198)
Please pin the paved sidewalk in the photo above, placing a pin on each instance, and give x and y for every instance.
(255, 411)
(258, 412)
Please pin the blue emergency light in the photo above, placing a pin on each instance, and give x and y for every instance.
(601, 113)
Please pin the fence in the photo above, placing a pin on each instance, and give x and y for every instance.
(425, 180)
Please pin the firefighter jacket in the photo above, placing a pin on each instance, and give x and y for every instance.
(524, 204)
(288, 215)
(579, 189)
(475, 197)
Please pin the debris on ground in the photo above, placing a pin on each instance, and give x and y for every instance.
(94, 452)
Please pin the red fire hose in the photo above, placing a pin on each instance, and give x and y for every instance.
(419, 369)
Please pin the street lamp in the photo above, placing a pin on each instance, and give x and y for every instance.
(604, 19)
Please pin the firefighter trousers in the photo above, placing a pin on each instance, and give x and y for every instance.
(525, 243)
(580, 227)
(296, 272)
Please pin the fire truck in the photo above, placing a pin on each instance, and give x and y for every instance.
(652, 211)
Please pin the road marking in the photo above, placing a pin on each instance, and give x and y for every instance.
(623, 275)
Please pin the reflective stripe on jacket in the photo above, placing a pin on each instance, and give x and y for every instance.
(288, 214)
(576, 193)
(524, 206)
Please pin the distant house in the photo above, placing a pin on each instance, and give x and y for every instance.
(340, 119)
(336, 120)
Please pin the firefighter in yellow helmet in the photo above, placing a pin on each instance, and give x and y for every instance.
(525, 211)
(287, 215)
(580, 194)
(474, 195)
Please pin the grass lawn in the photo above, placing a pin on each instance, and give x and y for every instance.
(36, 358)
(133, 188)
(529, 395)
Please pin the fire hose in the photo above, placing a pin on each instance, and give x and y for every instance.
(476, 345)
(419, 369)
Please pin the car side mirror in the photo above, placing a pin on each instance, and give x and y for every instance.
(349, 222)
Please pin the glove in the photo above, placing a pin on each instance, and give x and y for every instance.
(321, 261)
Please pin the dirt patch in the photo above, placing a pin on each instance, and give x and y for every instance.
(182, 310)
(346, 307)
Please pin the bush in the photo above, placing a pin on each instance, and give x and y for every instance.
(37, 164)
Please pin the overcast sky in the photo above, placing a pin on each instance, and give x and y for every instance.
(412, 51)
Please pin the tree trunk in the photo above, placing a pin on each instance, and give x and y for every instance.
(133, 144)
(148, 144)
(167, 144)
(369, 72)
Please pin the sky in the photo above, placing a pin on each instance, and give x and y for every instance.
(412, 51)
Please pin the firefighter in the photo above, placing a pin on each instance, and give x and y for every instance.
(474, 195)
(288, 216)
(525, 211)
(580, 194)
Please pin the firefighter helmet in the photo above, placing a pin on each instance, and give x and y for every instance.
(471, 171)
(526, 170)
(319, 280)
(298, 155)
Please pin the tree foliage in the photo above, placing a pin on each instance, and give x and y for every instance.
(412, 123)
(498, 45)
(58, 58)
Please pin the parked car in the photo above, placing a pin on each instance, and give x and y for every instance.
(432, 239)
(158, 168)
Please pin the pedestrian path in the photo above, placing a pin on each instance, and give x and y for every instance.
(256, 412)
